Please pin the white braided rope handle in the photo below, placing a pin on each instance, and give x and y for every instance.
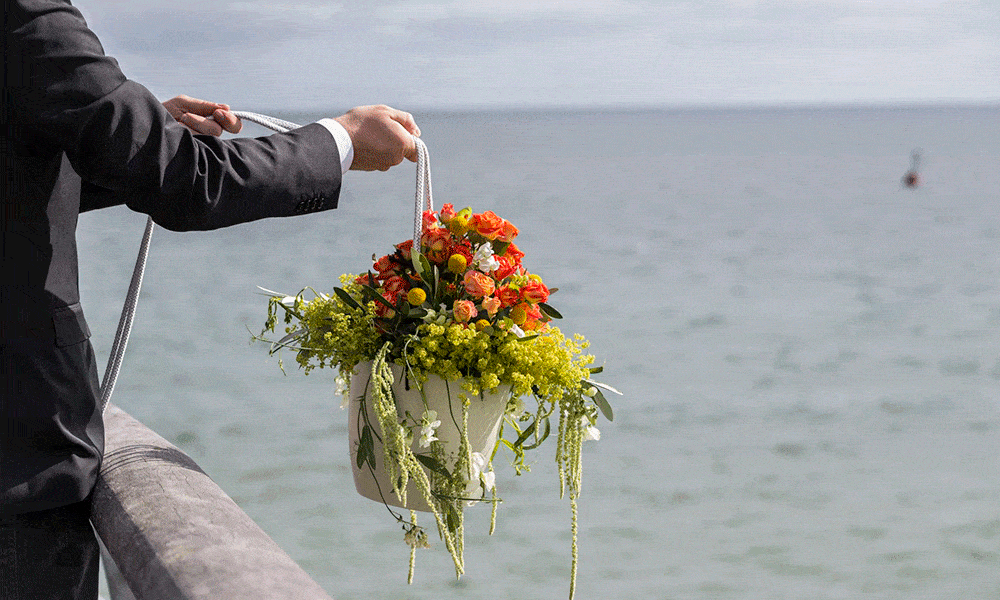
(423, 200)
(272, 123)
(125, 321)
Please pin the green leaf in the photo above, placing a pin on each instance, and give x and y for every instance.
(526, 434)
(291, 336)
(549, 311)
(433, 464)
(437, 283)
(366, 452)
(421, 266)
(604, 386)
(425, 267)
(347, 298)
(500, 248)
(527, 338)
(452, 517)
(545, 434)
(595, 370)
(373, 294)
(602, 403)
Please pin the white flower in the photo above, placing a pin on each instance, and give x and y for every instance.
(429, 423)
(288, 301)
(589, 431)
(517, 330)
(484, 259)
(478, 464)
(344, 391)
(488, 479)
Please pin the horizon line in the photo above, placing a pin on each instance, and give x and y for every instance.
(943, 104)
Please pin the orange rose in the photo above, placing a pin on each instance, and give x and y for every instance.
(437, 244)
(533, 320)
(464, 311)
(534, 292)
(488, 224)
(491, 305)
(509, 232)
(478, 284)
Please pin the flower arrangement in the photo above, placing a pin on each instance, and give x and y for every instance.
(461, 308)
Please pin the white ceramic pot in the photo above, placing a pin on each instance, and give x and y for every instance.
(485, 413)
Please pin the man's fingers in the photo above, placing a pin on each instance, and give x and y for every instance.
(200, 124)
(406, 120)
(227, 120)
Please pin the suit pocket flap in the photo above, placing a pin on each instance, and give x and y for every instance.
(71, 328)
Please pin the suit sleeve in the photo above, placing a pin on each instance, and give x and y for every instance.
(68, 94)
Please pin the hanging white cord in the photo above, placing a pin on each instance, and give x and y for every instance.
(423, 200)
(132, 298)
(125, 322)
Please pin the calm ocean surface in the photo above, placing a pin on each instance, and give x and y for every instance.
(810, 355)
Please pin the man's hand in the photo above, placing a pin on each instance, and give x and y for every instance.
(382, 136)
(201, 116)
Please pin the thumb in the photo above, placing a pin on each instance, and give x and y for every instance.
(410, 148)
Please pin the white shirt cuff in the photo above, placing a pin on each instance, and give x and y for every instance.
(344, 145)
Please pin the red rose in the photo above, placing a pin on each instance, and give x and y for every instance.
(394, 287)
(534, 292)
(508, 296)
(514, 253)
(405, 248)
(429, 219)
(384, 311)
(506, 268)
(385, 267)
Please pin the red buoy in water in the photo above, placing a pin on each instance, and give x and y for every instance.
(912, 177)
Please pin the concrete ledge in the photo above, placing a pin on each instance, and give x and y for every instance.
(174, 534)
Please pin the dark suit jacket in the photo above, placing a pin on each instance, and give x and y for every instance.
(77, 135)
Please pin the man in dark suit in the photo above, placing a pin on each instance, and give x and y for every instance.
(78, 135)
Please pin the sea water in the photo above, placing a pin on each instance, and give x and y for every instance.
(809, 353)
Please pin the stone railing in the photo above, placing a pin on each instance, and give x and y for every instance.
(174, 534)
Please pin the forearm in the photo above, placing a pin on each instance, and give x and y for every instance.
(68, 95)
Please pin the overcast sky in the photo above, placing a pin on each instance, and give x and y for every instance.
(307, 54)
